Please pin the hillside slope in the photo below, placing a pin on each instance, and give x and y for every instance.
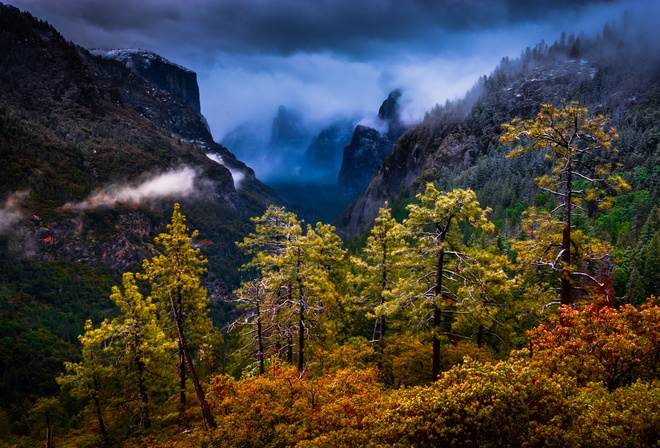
(457, 144)
(78, 130)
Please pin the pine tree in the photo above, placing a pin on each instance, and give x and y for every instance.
(275, 231)
(436, 276)
(257, 322)
(175, 278)
(380, 267)
(137, 347)
(87, 377)
(578, 144)
(299, 273)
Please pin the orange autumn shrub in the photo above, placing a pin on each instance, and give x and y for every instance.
(604, 344)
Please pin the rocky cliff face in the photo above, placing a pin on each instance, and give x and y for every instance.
(457, 145)
(74, 239)
(73, 125)
(324, 155)
(170, 113)
(368, 148)
(179, 81)
(389, 112)
(362, 157)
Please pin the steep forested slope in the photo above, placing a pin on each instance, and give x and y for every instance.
(73, 124)
(616, 74)
(92, 158)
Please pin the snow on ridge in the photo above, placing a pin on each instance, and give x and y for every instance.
(125, 56)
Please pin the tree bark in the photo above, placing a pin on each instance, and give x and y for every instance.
(301, 332)
(144, 397)
(260, 353)
(437, 315)
(49, 431)
(383, 288)
(206, 410)
(97, 406)
(565, 293)
(301, 310)
(181, 366)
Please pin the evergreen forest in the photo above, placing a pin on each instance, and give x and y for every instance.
(508, 296)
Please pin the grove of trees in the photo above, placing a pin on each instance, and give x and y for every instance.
(436, 331)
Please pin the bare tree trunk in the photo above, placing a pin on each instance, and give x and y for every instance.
(49, 436)
(49, 431)
(301, 332)
(182, 377)
(260, 353)
(97, 406)
(437, 315)
(566, 246)
(144, 397)
(301, 310)
(289, 329)
(383, 325)
(289, 345)
(206, 410)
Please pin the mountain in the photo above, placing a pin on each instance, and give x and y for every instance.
(362, 157)
(275, 153)
(287, 131)
(179, 81)
(323, 156)
(369, 147)
(616, 74)
(95, 151)
(86, 142)
(390, 113)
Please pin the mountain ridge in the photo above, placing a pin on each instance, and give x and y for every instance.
(453, 138)
(75, 125)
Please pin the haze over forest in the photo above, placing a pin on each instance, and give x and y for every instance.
(327, 59)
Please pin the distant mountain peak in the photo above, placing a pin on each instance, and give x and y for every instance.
(389, 110)
(155, 69)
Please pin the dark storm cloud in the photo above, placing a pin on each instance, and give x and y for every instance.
(327, 58)
(285, 26)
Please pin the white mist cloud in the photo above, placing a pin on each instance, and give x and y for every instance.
(236, 175)
(178, 183)
(10, 213)
(372, 121)
(320, 87)
(329, 58)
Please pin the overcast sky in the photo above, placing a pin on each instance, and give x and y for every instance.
(327, 57)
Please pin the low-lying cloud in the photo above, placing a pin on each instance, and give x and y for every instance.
(178, 183)
(236, 175)
(329, 58)
(10, 212)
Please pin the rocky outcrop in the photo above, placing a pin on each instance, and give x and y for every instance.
(400, 169)
(286, 130)
(389, 112)
(454, 137)
(179, 81)
(369, 147)
(179, 119)
(324, 155)
(72, 239)
(362, 157)
(88, 124)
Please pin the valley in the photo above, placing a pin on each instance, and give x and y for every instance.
(358, 280)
